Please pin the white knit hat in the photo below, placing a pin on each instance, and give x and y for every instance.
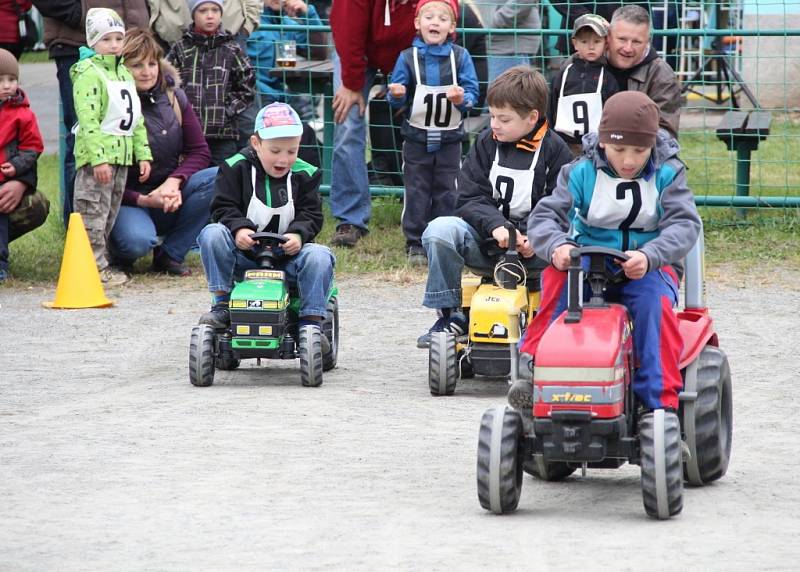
(102, 21)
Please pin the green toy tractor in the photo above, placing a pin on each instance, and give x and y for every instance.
(264, 324)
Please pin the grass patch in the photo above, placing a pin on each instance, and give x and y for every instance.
(38, 57)
(765, 237)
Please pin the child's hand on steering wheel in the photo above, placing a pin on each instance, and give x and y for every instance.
(292, 245)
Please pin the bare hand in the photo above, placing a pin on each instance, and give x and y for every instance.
(243, 240)
(10, 195)
(344, 100)
(103, 173)
(293, 245)
(560, 258)
(294, 7)
(168, 195)
(397, 90)
(636, 266)
(455, 95)
(144, 171)
(8, 170)
(500, 234)
(524, 247)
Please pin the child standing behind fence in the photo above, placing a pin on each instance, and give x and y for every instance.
(583, 84)
(437, 78)
(110, 133)
(216, 76)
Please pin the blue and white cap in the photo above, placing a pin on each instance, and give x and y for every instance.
(278, 120)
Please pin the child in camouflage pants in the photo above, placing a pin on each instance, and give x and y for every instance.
(110, 133)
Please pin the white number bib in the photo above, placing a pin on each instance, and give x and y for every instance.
(263, 215)
(513, 188)
(431, 109)
(579, 114)
(623, 204)
(124, 108)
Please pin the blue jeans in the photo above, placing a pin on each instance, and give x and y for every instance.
(136, 229)
(501, 62)
(63, 63)
(310, 270)
(350, 199)
(450, 243)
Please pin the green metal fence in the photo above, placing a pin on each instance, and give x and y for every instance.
(730, 56)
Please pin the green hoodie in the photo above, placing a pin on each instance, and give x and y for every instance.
(92, 146)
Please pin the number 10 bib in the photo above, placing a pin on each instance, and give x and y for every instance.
(431, 110)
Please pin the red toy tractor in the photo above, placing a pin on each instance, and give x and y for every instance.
(585, 414)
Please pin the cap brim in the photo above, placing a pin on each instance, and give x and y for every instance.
(596, 28)
(280, 131)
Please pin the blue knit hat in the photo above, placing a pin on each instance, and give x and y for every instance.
(195, 4)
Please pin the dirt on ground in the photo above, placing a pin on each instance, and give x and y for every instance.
(111, 460)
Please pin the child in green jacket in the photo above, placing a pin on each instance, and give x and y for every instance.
(109, 134)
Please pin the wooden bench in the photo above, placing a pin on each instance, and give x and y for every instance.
(742, 131)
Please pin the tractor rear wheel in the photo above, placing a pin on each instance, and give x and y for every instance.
(551, 471)
(330, 329)
(442, 366)
(201, 356)
(662, 473)
(309, 350)
(500, 450)
(708, 418)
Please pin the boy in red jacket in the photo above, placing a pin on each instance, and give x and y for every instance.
(20, 147)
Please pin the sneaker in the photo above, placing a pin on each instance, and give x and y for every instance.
(347, 235)
(166, 265)
(416, 255)
(456, 324)
(219, 317)
(113, 277)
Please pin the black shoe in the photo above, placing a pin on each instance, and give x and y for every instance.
(456, 324)
(520, 395)
(347, 235)
(165, 264)
(219, 317)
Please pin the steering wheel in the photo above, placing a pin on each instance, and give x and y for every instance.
(266, 244)
(598, 268)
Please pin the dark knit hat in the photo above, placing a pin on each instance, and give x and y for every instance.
(8, 64)
(195, 4)
(629, 118)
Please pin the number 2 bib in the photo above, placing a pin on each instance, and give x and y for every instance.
(623, 204)
(431, 109)
(579, 114)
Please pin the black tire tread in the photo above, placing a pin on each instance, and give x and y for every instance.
(330, 328)
(510, 459)
(201, 356)
(442, 351)
(673, 464)
(310, 354)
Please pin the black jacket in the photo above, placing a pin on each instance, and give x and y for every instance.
(582, 78)
(475, 202)
(233, 189)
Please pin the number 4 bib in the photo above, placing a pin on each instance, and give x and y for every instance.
(431, 109)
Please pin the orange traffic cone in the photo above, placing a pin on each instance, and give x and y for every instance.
(79, 283)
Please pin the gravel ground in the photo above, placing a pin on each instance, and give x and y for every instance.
(110, 459)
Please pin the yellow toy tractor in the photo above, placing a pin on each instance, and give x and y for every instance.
(498, 305)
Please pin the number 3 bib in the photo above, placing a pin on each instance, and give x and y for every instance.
(431, 109)
(579, 114)
(124, 108)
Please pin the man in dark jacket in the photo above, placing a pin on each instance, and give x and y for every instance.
(637, 66)
(64, 33)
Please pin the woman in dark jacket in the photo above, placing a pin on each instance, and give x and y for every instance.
(173, 203)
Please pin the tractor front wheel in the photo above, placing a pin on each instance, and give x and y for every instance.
(330, 329)
(662, 472)
(707, 417)
(201, 356)
(442, 366)
(500, 451)
(309, 349)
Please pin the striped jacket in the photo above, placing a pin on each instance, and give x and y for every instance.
(217, 77)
